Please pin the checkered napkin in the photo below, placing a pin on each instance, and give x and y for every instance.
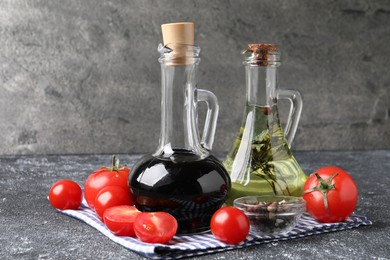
(205, 243)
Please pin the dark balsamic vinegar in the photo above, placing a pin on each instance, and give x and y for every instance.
(181, 178)
(184, 185)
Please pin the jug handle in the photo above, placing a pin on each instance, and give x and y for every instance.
(211, 117)
(294, 114)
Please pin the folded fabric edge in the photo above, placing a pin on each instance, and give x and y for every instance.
(154, 251)
(141, 249)
(169, 253)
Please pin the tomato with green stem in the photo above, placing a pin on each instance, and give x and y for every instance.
(115, 175)
(330, 194)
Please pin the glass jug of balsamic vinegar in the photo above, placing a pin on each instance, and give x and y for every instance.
(182, 177)
(260, 161)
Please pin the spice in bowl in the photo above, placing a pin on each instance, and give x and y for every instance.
(271, 215)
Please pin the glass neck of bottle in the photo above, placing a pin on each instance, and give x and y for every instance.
(179, 131)
(261, 85)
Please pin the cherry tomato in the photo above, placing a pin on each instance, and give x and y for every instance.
(106, 176)
(155, 227)
(230, 225)
(330, 194)
(65, 194)
(120, 220)
(111, 196)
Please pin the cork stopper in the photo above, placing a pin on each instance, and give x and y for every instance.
(262, 54)
(179, 37)
(182, 33)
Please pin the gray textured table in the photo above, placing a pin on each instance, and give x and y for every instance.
(32, 229)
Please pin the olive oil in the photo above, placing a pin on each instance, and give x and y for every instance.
(260, 161)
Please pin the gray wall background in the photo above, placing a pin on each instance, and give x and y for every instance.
(83, 76)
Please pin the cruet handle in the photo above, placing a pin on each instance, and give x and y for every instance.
(211, 117)
(294, 114)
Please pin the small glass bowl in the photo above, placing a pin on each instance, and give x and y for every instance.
(271, 215)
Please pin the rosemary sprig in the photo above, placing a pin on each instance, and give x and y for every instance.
(265, 147)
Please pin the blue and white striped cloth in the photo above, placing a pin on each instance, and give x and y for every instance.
(205, 243)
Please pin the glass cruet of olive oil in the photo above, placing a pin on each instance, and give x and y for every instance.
(182, 177)
(260, 161)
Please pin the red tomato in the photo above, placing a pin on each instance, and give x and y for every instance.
(230, 225)
(111, 196)
(65, 194)
(120, 220)
(106, 176)
(155, 227)
(330, 194)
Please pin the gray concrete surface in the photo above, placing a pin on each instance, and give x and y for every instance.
(83, 76)
(32, 229)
